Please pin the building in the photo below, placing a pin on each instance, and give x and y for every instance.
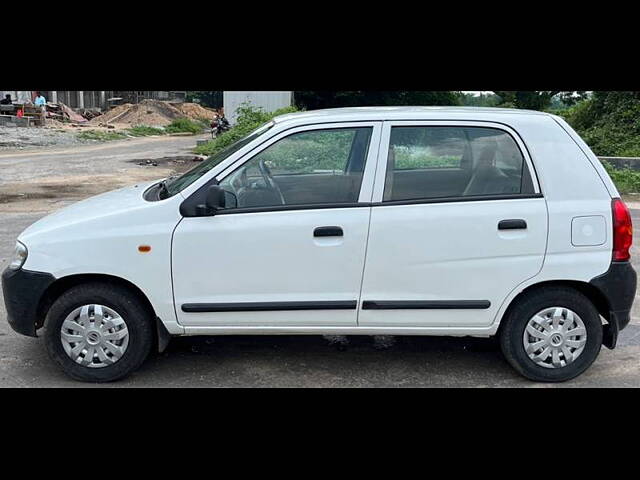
(269, 101)
(96, 99)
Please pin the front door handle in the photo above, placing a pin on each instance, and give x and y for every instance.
(512, 224)
(328, 232)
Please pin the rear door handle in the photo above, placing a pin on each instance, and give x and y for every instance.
(328, 232)
(512, 224)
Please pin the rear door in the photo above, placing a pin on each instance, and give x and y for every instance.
(459, 222)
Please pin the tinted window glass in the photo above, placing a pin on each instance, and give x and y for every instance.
(437, 162)
(318, 166)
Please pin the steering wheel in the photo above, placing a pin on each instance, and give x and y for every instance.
(268, 178)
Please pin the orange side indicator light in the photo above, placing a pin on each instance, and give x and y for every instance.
(144, 248)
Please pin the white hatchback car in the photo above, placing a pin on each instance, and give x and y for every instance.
(356, 221)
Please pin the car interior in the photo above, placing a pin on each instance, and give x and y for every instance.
(489, 165)
(256, 185)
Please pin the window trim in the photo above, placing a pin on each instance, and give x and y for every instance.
(468, 198)
(383, 158)
(395, 203)
(289, 208)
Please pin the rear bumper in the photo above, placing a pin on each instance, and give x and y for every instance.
(23, 290)
(618, 286)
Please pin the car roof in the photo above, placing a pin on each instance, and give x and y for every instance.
(404, 113)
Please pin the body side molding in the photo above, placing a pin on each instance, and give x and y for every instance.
(268, 306)
(425, 304)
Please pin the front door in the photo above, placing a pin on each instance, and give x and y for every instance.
(459, 224)
(288, 249)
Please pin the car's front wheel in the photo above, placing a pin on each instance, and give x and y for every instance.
(98, 332)
(552, 334)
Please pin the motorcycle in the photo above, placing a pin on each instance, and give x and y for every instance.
(219, 125)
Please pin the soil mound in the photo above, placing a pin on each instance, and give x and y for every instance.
(195, 111)
(147, 112)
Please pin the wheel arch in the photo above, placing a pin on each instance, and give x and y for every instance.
(596, 297)
(63, 284)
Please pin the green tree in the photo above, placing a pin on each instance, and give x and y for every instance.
(538, 99)
(609, 122)
(571, 98)
(206, 99)
(312, 100)
(479, 100)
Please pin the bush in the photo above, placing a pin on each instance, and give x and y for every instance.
(144, 131)
(609, 122)
(205, 122)
(307, 152)
(101, 136)
(249, 118)
(580, 115)
(184, 125)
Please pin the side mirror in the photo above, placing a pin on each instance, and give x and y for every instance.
(216, 197)
(214, 201)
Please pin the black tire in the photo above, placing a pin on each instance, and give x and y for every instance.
(515, 322)
(139, 324)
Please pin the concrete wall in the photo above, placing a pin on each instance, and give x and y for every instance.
(623, 162)
(270, 101)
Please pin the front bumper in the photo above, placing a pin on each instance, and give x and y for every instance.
(23, 290)
(618, 286)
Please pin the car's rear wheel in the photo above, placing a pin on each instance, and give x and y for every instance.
(98, 332)
(552, 334)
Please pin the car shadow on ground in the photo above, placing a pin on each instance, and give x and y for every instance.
(316, 361)
(302, 361)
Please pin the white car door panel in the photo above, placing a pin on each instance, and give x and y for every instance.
(451, 259)
(277, 261)
(273, 259)
(447, 255)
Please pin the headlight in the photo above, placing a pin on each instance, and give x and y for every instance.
(19, 257)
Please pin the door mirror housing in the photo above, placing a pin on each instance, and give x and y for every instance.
(216, 198)
(208, 200)
(214, 201)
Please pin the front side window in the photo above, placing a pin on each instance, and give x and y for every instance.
(439, 162)
(306, 168)
(177, 184)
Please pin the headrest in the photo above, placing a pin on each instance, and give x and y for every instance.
(488, 153)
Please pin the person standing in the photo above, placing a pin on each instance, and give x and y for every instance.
(41, 102)
(223, 123)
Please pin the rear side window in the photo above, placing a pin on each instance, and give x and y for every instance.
(442, 162)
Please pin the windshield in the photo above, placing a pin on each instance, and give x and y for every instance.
(175, 185)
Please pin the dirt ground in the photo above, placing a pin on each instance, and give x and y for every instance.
(50, 179)
(56, 135)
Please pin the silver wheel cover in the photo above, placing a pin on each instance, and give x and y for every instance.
(554, 337)
(94, 336)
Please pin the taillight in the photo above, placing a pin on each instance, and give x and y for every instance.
(622, 231)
